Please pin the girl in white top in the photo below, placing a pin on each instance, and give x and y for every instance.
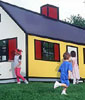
(17, 66)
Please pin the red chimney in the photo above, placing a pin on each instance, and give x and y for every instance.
(50, 11)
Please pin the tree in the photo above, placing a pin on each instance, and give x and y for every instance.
(76, 20)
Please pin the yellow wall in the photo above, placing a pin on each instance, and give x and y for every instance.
(40, 68)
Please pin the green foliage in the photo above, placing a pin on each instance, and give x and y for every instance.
(40, 91)
(76, 20)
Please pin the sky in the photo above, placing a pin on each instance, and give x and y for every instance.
(66, 7)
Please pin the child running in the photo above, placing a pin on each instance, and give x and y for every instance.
(17, 66)
(65, 70)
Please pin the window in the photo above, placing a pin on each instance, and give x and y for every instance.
(47, 51)
(3, 50)
(7, 48)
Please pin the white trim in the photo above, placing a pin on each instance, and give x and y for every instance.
(8, 81)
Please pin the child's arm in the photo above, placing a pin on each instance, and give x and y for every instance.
(69, 70)
(73, 62)
(59, 70)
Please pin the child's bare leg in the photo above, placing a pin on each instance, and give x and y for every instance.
(64, 85)
(64, 89)
(74, 80)
(57, 84)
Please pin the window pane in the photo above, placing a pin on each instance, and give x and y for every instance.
(45, 44)
(0, 51)
(51, 53)
(51, 57)
(2, 43)
(51, 45)
(51, 50)
(45, 56)
(4, 58)
(45, 50)
(4, 47)
(3, 50)
(0, 58)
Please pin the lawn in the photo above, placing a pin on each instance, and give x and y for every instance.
(40, 91)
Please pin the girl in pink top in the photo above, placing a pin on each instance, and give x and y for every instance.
(75, 71)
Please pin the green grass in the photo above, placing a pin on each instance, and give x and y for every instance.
(40, 91)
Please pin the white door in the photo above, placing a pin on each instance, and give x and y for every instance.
(72, 48)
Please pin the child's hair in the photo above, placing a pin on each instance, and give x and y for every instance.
(66, 56)
(73, 54)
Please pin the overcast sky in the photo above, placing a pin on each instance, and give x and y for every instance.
(66, 7)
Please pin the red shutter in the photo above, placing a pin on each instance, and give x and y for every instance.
(53, 13)
(38, 49)
(44, 11)
(11, 48)
(56, 52)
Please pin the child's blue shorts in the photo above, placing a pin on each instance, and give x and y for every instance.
(65, 81)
